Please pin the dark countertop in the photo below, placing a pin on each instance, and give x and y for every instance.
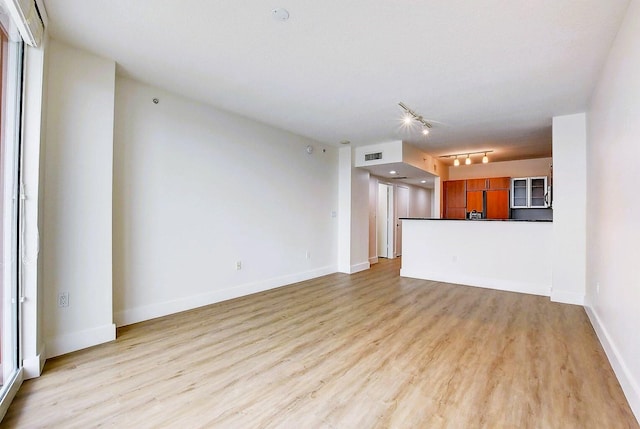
(478, 220)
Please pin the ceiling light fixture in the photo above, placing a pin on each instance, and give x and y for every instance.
(393, 172)
(467, 161)
(413, 115)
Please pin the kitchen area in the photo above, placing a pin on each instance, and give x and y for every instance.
(498, 198)
(495, 229)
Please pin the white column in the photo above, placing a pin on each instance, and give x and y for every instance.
(569, 208)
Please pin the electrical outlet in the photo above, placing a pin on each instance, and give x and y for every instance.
(308, 254)
(63, 299)
(238, 265)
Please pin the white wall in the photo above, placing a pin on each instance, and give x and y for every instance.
(345, 174)
(420, 201)
(613, 210)
(359, 220)
(77, 238)
(373, 219)
(197, 189)
(519, 168)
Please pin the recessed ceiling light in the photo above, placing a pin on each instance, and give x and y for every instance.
(393, 172)
(280, 14)
(423, 181)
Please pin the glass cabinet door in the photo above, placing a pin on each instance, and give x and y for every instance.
(519, 193)
(538, 192)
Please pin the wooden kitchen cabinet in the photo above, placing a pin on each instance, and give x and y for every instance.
(456, 213)
(455, 199)
(475, 201)
(476, 185)
(489, 196)
(497, 204)
(499, 183)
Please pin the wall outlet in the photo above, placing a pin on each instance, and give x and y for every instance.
(308, 254)
(238, 265)
(63, 299)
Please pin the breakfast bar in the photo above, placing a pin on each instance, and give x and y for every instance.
(508, 255)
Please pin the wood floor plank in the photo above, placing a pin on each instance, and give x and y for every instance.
(370, 350)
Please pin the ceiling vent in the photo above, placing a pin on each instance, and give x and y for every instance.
(373, 156)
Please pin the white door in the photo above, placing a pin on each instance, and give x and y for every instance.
(385, 221)
(402, 210)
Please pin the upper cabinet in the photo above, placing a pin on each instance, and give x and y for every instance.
(499, 183)
(529, 192)
(476, 185)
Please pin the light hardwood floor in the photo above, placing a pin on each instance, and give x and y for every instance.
(363, 351)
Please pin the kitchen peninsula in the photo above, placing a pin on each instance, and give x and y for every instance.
(508, 255)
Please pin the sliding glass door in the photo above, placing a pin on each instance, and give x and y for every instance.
(10, 91)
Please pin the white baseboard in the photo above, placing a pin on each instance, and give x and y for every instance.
(33, 366)
(487, 283)
(630, 386)
(363, 266)
(151, 311)
(74, 341)
(566, 297)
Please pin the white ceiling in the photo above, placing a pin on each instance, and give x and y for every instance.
(492, 73)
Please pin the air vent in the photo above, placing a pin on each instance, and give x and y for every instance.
(372, 156)
(398, 178)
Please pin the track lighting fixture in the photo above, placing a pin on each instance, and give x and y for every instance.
(410, 114)
(467, 161)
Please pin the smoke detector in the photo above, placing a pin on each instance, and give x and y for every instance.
(280, 14)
